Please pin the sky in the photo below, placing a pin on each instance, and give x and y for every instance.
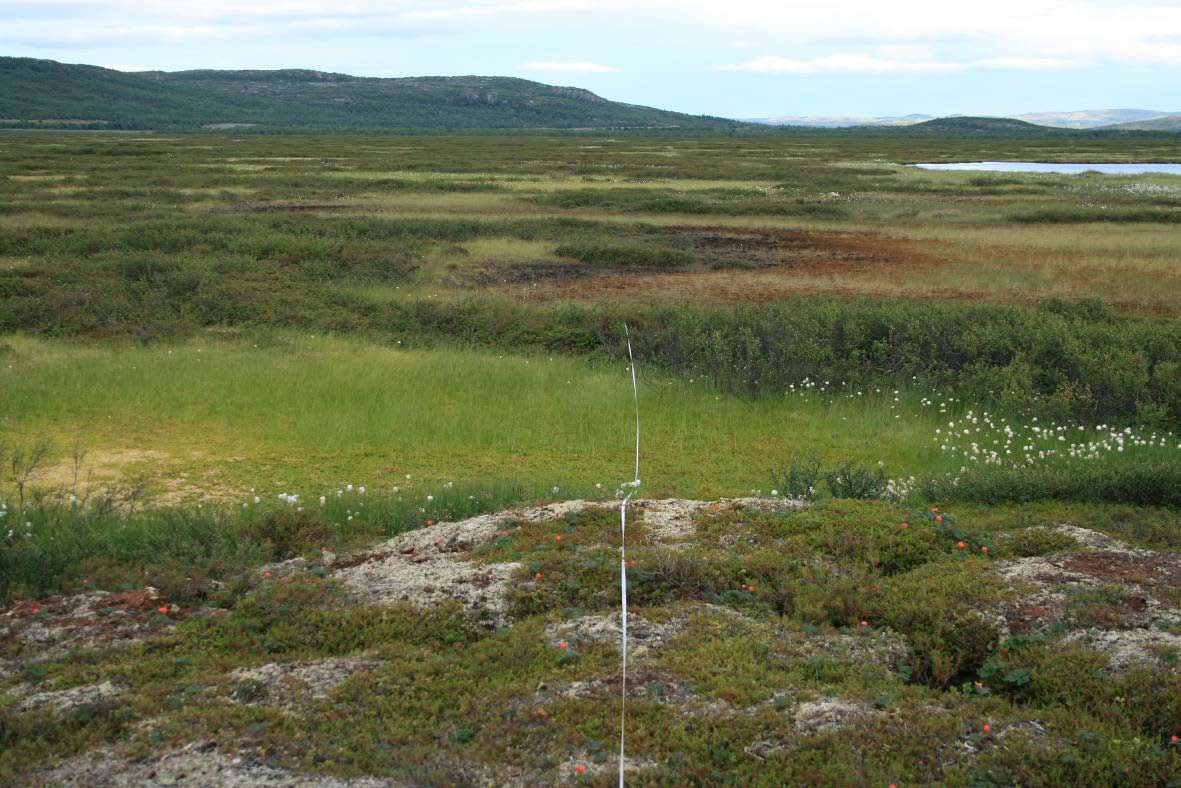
(738, 58)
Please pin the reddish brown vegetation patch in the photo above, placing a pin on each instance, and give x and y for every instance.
(141, 599)
(801, 249)
(55, 626)
(1145, 568)
(757, 265)
(360, 558)
(1029, 616)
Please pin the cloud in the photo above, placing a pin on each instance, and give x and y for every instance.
(848, 63)
(575, 68)
(856, 36)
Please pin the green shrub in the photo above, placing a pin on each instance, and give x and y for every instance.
(1138, 483)
(800, 480)
(1038, 541)
(285, 533)
(854, 480)
(612, 256)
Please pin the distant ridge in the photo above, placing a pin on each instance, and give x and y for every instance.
(39, 94)
(1161, 123)
(1078, 119)
(970, 126)
(840, 121)
(1089, 118)
(45, 93)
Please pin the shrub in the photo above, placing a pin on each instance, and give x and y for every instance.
(846, 480)
(849, 480)
(800, 480)
(286, 533)
(635, 256)
(1139, 483)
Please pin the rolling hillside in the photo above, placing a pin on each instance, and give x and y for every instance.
(44, 93)
(971, 127)
(1089, 118)
(1162, 123)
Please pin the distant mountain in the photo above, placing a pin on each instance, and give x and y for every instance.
(45, 93)
(839, 122)
(1089, 118)
(1162, 123)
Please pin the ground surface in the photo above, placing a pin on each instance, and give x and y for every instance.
(258, 396)
(764, 634)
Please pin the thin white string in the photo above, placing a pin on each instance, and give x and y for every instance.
(623, 625)
(634, 485)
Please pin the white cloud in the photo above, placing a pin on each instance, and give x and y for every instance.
(846, 63)
(576, 68)
(854, 36)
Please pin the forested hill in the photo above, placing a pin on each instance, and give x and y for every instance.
(48, 94)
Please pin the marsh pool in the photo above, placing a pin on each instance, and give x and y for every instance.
(1062, 168)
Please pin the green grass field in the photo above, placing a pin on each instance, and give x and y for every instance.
(196, 328)
(301, 412)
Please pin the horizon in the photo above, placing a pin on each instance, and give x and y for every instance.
(752, 59)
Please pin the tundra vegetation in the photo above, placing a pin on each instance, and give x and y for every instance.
(911, 463)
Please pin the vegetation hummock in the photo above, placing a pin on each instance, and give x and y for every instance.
(840, 643)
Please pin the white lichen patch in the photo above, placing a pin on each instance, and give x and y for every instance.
(580, 769)
(281, 569)
(426, 567)
(645, 634)
(196, 765)
(1094, 540)
(70, 699)
(671, 521)
(880, 648)
(645, 686)
(1118, 600)
(291, 684)
(1130, 648)
(829, 715)
(1020, 734)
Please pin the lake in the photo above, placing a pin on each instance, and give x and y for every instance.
(1071, 168)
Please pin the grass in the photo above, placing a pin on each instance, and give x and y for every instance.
(234, 424)
(192, 552)
(293, 412)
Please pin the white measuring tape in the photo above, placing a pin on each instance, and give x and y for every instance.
(633, 486)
